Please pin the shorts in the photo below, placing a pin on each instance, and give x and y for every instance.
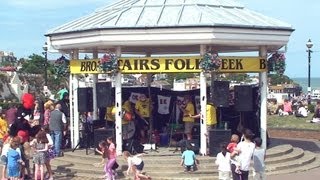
(140, 166)
(188, 127)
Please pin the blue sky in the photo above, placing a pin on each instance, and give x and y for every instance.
(23, 24)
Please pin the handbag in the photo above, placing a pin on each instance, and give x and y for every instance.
(4, 159)
(115, 166)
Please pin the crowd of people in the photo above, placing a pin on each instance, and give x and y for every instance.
(297, 107)
(33, 130)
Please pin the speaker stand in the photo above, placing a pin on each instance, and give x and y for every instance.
(87, 132)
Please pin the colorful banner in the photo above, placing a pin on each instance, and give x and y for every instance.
(171, 65)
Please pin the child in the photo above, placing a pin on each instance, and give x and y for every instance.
(103, 146)
(4, 159)
(14, 159)
(188, 159)
(112, 154)
(50, 151)
(135, 164)
(232, 148)
(224, 163)
(259, 155)
(40, 143)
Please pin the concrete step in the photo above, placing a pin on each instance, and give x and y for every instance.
(307, 158)
(296, 153)
(164, 165)
(279, 150)
(306, 167)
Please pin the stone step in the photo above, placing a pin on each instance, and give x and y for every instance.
(173, 165)
(296, 153)
(279, 150)
(279, 159)
(169, 162)
(156, 158)
(307, 158)
(306, 167)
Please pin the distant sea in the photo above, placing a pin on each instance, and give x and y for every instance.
(303, 82)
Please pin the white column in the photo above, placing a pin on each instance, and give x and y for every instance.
(118, 96)
(71, 76)
(263, 80)
(94, 90)
(74, 123)
(203, 103)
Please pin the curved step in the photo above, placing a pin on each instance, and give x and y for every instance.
(296, 153)
(280, 159)
(279, 150)
(307, 158)
(306, 167)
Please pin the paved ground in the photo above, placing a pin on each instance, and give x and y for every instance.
(308, 175)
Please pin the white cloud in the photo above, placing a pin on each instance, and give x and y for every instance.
(52, 4)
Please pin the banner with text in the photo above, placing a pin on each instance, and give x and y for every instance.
(171, 65)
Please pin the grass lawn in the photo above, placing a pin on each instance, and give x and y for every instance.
(291, 122)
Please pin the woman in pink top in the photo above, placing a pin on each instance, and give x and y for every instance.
(112, 154)
(287, 106)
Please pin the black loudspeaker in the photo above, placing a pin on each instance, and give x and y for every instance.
(103, 90)
(133, 146)
(102, 134)
(216, 137)
(85, 99)
(243, 99)
(220, 94)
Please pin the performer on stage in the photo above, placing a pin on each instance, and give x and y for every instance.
(188, 110)
(142, 109)
(127, 120)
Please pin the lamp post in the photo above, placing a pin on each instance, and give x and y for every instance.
(309, 46)
(45, 53)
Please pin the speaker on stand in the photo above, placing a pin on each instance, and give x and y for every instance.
(220, 95)
(104, 94)
(85, 104)
(243, 102)
(85, 99)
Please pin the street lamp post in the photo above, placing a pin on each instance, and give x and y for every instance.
(309, 46)
(45, 53)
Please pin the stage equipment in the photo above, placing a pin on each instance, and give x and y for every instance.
(216, 137)
(85, 99)
(220, 93)
(103, 90)
(243, 98)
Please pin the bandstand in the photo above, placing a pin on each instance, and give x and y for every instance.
(168, 36)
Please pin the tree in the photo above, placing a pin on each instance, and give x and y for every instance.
(178, 76)
(9, 60)
(237, 77)
(34, 65)
(275, 79)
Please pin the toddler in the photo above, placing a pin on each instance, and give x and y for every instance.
(232, 147)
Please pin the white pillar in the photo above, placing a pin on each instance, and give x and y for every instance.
(203, 103)
(74, 123)
(94, 90)
(73, 144)
(118, 96)
(263, 80)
